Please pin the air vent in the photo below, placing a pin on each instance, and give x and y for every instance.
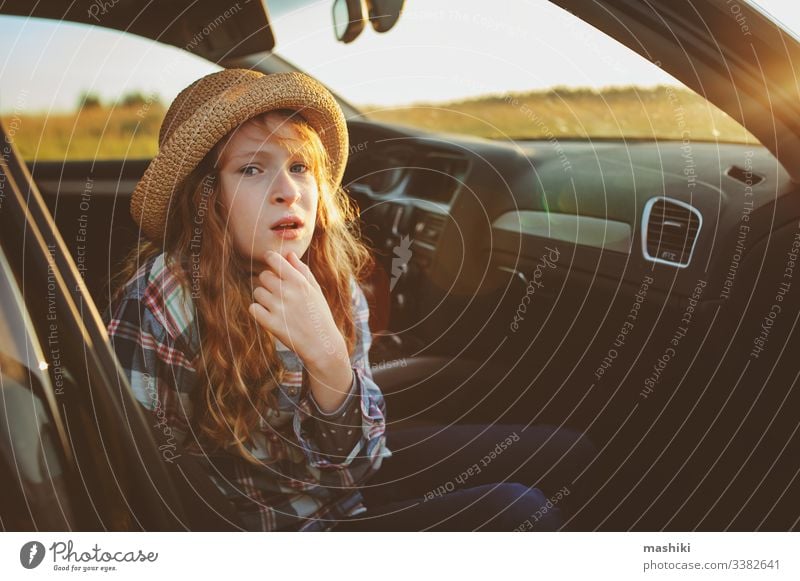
(747, 177)
(669, 231)
(428, 226)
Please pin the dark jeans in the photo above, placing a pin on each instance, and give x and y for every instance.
(501, 477)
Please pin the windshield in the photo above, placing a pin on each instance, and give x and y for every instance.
(523, 69)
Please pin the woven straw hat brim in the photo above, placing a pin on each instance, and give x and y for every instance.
(189, 143)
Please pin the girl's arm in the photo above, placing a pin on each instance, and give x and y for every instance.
(353, 436)
(330, 380)
(290, 304)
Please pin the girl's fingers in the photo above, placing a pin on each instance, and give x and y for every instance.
(261, 315)
(285, 269)
(282, 267)
(270, 281)
(298, 265)
(264, 298)
(301, 266)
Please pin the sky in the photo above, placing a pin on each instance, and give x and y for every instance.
(439, 50)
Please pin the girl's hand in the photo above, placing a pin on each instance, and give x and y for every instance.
(290, 305)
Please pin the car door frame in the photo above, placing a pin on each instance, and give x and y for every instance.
(145, 497)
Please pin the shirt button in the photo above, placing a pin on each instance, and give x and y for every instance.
(292, 391)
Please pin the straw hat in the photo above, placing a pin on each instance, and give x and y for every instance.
(208, 109)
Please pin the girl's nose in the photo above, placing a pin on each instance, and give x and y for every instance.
(284, 190)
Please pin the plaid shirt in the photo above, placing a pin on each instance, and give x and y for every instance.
(312, 462)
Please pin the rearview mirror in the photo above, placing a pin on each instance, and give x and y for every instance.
(349, 16)
(383, 14)
(348, 19)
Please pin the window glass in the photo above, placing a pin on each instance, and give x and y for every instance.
(517, 69)
(31, 470)
(528, 71)
(73, 91)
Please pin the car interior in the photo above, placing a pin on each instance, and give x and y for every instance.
(617, 288)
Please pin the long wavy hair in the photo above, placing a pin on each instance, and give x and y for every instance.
(238, 367)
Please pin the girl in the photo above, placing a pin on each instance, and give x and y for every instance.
(240, 320)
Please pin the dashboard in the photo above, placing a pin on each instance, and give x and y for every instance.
(453, 218)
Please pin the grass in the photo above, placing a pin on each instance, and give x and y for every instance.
(634, 113)
(92, 133)
(630, 112)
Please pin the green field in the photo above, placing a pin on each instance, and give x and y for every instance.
(634, 113)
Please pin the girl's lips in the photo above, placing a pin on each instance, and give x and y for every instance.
(288, 233)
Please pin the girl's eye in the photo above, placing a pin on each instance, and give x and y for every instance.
(299, 167)
(249, 170)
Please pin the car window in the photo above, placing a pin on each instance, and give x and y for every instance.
(787, 14)
(519, 69)
(31, 469)
(80, 92)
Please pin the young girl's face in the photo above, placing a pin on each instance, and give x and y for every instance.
(262, 181)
